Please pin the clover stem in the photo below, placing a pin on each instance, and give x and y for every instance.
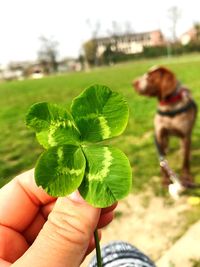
(98, 250)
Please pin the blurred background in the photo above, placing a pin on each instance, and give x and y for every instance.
(49, 36)
(51, 50)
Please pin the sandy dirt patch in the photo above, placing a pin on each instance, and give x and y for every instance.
(150, 223)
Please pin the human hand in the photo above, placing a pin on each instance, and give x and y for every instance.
(39, 230)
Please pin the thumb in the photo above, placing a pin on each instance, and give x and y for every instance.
(65, 236)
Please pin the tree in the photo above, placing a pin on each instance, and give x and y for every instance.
(107, 55)
(90, 49)
(47, 54)
(128, 28)
(197, 29)
(174, 14)
(114, 33)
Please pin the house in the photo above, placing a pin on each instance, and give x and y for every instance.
(9, 74)
(21, 70)
(69, 65)
(130, 43)
(192, 34)
(36, 71)
(188, 36)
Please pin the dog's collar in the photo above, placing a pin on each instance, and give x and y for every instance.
(175, 97)
(175, 112)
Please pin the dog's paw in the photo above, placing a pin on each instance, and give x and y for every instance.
(187, 181)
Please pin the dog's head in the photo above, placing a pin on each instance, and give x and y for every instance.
(158, 81)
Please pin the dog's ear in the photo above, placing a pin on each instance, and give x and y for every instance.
(168, 82)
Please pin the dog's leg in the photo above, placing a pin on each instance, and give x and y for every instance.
(162, 141)
(186, 175)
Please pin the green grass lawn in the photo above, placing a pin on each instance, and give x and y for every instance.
(19, 148)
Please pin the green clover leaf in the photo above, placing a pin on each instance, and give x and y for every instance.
(99, 113)
(107, 177)
(60, 170)
(53, 125)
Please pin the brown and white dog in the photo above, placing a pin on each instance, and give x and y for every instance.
(176, 114)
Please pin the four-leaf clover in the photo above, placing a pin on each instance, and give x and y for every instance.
(75, 156)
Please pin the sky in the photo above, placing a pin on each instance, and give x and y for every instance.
(71, 23)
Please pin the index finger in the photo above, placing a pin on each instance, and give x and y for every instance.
(20, 201)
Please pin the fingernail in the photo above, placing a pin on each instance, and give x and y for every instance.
(75, 196)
